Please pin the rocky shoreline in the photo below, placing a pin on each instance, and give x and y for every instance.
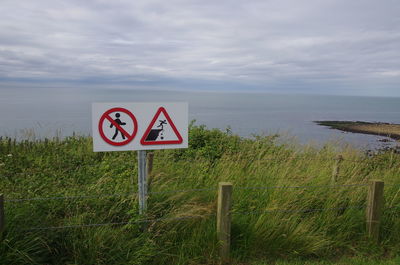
(389, 130)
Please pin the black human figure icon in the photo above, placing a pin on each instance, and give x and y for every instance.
(120, 123)
(162, 122)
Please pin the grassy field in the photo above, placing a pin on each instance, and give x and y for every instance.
(292, 223)
(382, 129)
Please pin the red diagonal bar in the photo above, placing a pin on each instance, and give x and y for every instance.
(118, 126)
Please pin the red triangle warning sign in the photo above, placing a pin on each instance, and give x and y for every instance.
(161, 130)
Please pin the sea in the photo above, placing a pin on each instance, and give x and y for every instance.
(37, 113)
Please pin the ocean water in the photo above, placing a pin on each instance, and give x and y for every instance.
(43, 112)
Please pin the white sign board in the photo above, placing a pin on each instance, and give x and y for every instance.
(139, 126)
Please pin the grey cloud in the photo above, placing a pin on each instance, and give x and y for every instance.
(311, 46)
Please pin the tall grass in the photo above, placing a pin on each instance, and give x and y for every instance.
(267, 224)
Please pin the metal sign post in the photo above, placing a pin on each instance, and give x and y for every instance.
(142, 181)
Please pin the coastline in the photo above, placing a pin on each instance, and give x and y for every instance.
(390, 130)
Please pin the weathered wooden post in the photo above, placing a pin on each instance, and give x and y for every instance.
(224, 219)
(336, 169)
(374, 208)
(2, 220)
(150, 157)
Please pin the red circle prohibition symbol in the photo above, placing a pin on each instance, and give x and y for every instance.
(129, 137)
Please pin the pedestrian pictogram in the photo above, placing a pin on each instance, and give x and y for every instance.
(161, 130)
(117, 126)
(119, 122)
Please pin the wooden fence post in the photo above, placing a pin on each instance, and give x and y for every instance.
(374, 208)
(150, 157)
(224, 219)
(336, 169)
(2, 220)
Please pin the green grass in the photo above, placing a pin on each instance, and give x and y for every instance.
(261, 236)
(342, 261)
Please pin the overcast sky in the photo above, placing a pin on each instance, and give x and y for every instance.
(308, 46)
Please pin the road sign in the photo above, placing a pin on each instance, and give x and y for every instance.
(161, 130)
(118, 124)
(139, 126)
